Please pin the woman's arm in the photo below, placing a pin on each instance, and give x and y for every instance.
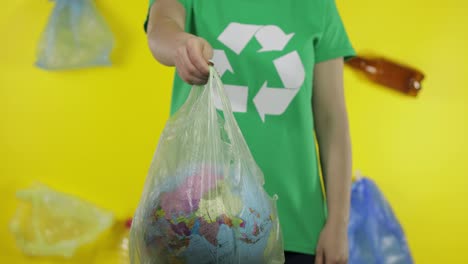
(172, 46)
(332, 130)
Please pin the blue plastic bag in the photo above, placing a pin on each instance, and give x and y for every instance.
(76, 36)
(375, 235)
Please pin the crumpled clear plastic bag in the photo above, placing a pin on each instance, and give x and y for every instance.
(203, 200)
(50, 223)
(76, 36)
(375, 235)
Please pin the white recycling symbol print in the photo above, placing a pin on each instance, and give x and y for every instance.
(268, 100)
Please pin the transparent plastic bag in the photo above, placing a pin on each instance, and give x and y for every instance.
(50, 223)
(375, 235)
(203, 200)
(76, 36)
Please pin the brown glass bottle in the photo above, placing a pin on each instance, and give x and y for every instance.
(390, 74)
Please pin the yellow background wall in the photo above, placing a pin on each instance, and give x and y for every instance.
(93, 132)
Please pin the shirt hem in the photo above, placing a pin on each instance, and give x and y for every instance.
(345, 53)
(299, 248)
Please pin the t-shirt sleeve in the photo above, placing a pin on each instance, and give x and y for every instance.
(334, 42)
(151, 2)
(145, 26)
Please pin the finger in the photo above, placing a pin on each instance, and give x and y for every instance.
(189, 73)
(207, 50)
(319, 257)
(326, 258)
(195, 54)
(343, 259)
(179, 64)
(186, 77)
(188, 65)
(198, 81)
(192, 80)
(180, 70)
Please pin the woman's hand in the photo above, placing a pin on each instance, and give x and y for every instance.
(332, 247)
(191, 59)
(172, 46)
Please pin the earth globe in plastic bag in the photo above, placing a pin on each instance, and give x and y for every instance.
(203, 201)
(202, 219)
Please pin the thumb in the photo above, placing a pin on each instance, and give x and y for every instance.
(207, 50)
(319, 256)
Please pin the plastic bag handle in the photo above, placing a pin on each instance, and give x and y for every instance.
(215, 84)
(225, 102)
(238, 144)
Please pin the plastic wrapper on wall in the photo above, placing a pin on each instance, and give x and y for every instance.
(76, 36)
(375, 235)
(203, 200)
(50, 223)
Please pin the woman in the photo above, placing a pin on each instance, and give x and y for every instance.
(282, 65)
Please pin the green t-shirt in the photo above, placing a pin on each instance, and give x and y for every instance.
(265, 52)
